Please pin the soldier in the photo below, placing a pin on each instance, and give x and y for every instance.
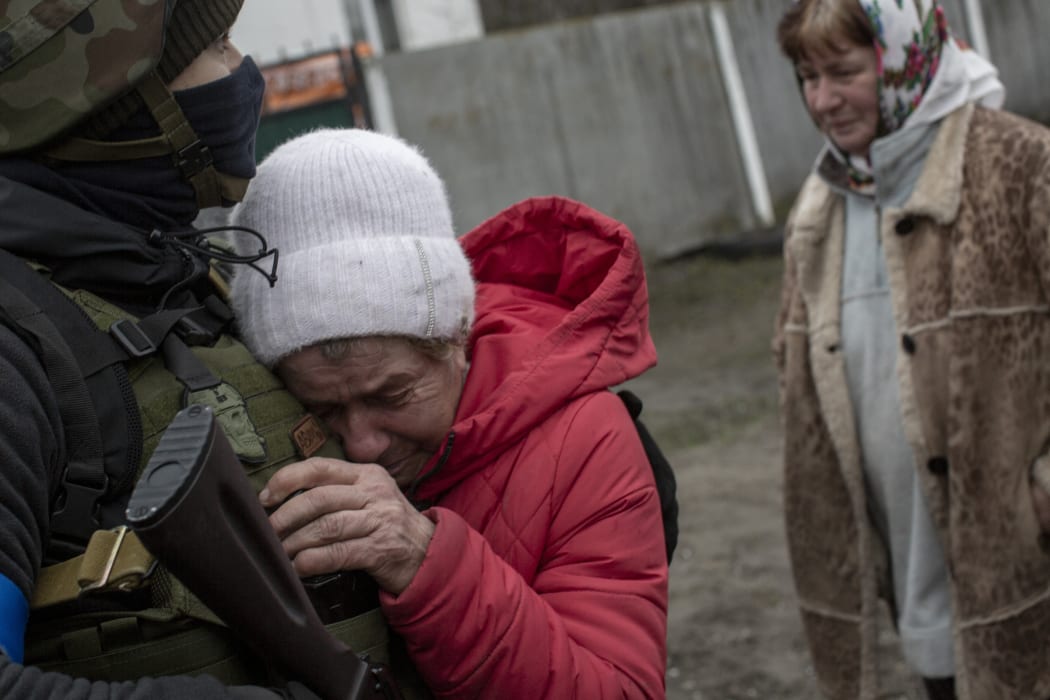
(119, 121)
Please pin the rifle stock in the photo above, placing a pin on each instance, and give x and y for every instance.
(195, 510)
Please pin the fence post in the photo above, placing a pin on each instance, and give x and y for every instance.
(975, 23)
(382, 107)
(743, 125)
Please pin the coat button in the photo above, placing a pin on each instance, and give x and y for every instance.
(905, 226)
(938, 465)
(908, 343)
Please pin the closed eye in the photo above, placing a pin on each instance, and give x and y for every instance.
(844, 72)
(391, 400)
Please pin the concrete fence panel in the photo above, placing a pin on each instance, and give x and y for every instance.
(1019, 35)
(629, 113)
(625, 112)
(788, 139)
(955, 12)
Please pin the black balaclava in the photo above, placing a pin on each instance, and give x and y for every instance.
(150, 193)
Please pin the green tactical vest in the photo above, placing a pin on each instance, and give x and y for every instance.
(176, 634)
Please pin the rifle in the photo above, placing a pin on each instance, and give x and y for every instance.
(196, 511)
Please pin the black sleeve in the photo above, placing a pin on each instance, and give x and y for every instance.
(31, 460)
(31, 456)
(27, 683)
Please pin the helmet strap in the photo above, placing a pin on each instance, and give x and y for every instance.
(178, 139)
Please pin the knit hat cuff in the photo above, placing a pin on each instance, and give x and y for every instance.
(328, 292)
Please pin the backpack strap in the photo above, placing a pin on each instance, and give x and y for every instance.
(666, 484)
(92, 389)
(156, 333)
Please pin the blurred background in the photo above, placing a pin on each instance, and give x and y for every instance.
(682, 120)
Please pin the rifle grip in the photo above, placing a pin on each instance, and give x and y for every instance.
(196, 511)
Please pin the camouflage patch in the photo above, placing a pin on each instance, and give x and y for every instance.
(43, 21)
(83, 23)
(63, 62)
(12, 9)
(56, 14)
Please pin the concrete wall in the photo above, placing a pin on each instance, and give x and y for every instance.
(628, 113)
(1017, 32)
(424, 24)
(624, 112)
(503, 15)
(787, 138)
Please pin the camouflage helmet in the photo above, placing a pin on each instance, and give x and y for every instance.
(65, 63)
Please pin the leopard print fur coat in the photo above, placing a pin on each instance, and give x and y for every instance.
(968, 259)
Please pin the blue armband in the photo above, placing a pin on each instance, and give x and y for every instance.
(14, 614)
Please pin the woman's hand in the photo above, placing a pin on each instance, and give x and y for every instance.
(1040, 487)
(349, 516)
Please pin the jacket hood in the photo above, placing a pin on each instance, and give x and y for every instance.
(561, 312)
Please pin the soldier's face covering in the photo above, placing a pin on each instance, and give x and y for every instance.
(225, 115)
(150, 193)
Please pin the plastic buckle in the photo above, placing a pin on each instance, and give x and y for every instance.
(192, 159)
(76, 518)
(132, 339)
(193, 333)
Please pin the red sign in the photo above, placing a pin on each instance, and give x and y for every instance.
(321, 78)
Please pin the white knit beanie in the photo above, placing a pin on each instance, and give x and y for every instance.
(366, 247)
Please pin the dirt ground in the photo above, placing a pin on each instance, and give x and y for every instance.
(734, 629)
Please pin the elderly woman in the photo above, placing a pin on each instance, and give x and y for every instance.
(497, 492)
(912, 345)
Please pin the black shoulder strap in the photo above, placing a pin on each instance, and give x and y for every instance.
(100, 417)
(666, 485)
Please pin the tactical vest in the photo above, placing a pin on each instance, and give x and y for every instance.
(167, 631)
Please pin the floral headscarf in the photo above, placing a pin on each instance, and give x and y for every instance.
(909, 36)
(915, 46)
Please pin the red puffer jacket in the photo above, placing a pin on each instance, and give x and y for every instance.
(546, 576)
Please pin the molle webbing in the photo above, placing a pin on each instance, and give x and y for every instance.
(121, 648)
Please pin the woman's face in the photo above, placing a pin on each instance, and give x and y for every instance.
(841, 93)
(390, 403)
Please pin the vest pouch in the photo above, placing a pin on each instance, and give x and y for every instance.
(156, 642)
(153, 642)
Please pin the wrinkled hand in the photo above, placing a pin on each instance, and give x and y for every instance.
(352, 516)
(1041, 492)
